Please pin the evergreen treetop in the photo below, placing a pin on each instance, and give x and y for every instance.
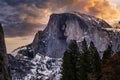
(107, 54)
(95, 61)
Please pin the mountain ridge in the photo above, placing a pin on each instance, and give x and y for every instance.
(44, 54)
(59, 32)
(69, 26)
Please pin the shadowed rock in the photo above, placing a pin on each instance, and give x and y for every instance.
(62, 28)
(4, 71)
(54, 40)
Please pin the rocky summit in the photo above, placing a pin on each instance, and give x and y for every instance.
(41, 59)
(64, 27)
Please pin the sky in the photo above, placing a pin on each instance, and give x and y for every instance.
(21, 19)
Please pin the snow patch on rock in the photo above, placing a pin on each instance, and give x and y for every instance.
(40, 68)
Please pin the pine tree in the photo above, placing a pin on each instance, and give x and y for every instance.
(74, 50)
(70, 60)
(67, 67)
(86, 56)
(95, 61)
(107, 54)
(84, 62)
(83, 75)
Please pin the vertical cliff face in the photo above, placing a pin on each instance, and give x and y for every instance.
(50, 44)
(4, 71)
(61, 28)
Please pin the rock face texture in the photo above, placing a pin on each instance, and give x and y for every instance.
(39, 68)
(61, 28)
(41, 60)
(4, 71)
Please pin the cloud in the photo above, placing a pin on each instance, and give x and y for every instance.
(83, 5)
(21, 29)
(25, 17)
(99, 8)
(15, 42)
(20, 21)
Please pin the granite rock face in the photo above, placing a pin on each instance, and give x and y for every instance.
(4, 70)
(61, 28)
(41, 60)
(39, 68)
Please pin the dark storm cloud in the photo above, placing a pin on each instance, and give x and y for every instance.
(19, 20)
(23, 17)
(21, 29)
(15, 27)
(29, 15)
(38, 3)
